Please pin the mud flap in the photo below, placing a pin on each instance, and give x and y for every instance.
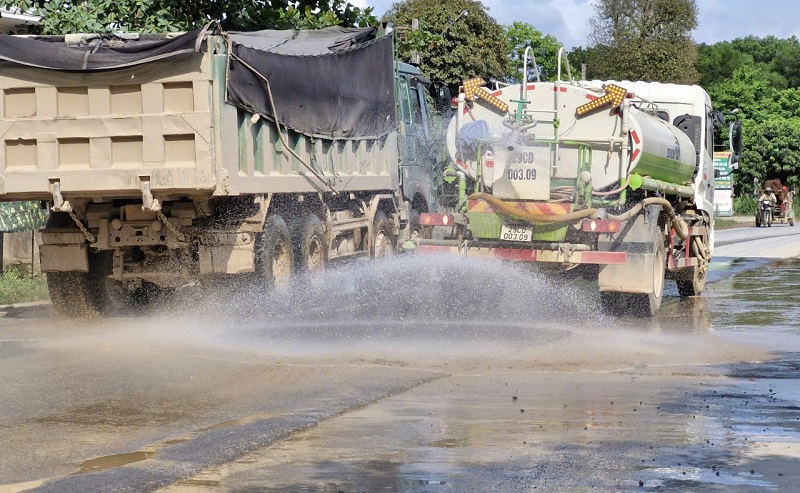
(636, 239)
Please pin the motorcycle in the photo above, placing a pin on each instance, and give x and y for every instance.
(764, 214)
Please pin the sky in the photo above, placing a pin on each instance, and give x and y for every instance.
(568, 20)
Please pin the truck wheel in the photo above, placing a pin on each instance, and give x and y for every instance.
(640, 304)
(383, 240)
(415, 230)
(694, 286)
(647, 304)
(311, 249)
(80, 294)
(274, 255)
(69, 294)
(612, 302)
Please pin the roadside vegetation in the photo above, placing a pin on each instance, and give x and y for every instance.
(18, 288)
(747, 206)
(722, 223)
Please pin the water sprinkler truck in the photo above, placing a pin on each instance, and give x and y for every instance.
(610, 180)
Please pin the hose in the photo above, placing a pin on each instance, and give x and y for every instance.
(700, 248)
(681, 228)
(615, 191)
(505, 208)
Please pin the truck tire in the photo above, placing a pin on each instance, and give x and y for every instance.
(647, 304)
(70, 294)
(640, 304)
(612, 302)
(695, 285)
(383, 241)
(79, 294)
(311, 249)
(414, 228)
(274, 253)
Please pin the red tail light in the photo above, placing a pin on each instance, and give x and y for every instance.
(434, 219)
(600, 226)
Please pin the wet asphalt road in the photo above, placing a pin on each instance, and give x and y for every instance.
(531, 388)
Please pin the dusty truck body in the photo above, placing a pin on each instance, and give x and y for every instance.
(610, 180)
(168, 160)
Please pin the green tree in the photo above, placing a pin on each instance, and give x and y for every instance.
(749, 90)
(68, 16)
(787, 103)
(717, 62)
(460, 46)
(645, 40)
(762, 50)
(771, 150)
(771, 124)
(544, 48)
(579, 56)
(786, 62)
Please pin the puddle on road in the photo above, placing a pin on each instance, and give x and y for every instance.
(765, 299)
(103, 463)
(603, 430)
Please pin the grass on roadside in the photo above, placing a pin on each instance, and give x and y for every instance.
(18, 288)
(720, 224)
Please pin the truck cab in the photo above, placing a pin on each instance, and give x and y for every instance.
(421, 150)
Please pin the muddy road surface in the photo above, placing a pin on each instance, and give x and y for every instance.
(376, 377)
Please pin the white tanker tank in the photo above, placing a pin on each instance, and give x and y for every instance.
(520, 146)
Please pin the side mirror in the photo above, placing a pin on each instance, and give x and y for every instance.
(717, 173)
(735, 137)
(443, 97)
(734, 162)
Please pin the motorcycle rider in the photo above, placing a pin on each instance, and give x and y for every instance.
(768, 195)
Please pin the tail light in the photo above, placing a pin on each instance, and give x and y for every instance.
(600, 225)
(434, 219)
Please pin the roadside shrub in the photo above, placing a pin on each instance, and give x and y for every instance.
(744, 206)
(747, 205)
(16, 288)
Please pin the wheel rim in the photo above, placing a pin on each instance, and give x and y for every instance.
(658, 273)
(382, 245)
(281, 263)
(316, 260)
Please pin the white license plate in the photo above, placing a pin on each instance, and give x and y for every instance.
(516, 233)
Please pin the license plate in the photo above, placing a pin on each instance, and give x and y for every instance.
(516, 233)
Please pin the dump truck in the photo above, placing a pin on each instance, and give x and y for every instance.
(612, 181)
(209, 157)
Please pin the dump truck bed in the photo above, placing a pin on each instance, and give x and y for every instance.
(101, 133)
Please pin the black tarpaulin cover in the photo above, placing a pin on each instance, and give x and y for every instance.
(86, 53)
(333, 83)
